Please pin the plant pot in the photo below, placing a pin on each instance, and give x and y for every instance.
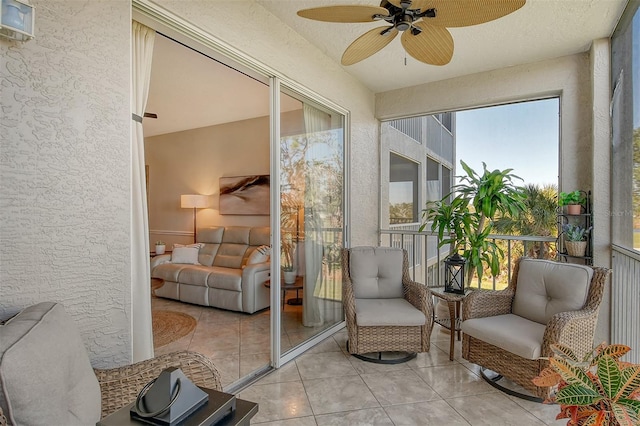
(289, 277)
(574, 209)
(576, 248)
(160, 249)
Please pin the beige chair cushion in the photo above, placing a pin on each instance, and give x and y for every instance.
(225, 278)
(545, 288)
(235, 242)
(376, 272)
(45, 372)
(387, 312)
(510, 332)
(211, 237)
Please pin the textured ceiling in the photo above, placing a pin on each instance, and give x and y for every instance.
(541, 29)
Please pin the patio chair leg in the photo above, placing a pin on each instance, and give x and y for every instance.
(493, 381)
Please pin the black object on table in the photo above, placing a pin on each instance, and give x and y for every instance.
(205, 416)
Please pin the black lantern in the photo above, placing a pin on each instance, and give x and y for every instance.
(454, 274)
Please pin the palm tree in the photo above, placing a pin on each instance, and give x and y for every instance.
(539, 218)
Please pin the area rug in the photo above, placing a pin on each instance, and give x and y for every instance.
(169, 326)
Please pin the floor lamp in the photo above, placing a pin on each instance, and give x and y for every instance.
(194, 201)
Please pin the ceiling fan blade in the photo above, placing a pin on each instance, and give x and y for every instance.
(368, 44)
(415, 4)
(433, 45)
(343, 13)
(463, 13)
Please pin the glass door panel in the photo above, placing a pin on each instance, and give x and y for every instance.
(312, 218)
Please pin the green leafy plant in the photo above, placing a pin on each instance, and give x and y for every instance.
(574, 197)
(575, 232)
(597, 390)
(466, 221)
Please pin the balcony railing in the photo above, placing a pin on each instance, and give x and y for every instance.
(425, 259)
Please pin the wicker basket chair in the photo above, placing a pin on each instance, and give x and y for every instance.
(385, 335)
(574, 328)
(120, 386)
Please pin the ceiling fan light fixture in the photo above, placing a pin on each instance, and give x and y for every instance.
(404, 23)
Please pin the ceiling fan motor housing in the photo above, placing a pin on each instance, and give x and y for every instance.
(404, 22)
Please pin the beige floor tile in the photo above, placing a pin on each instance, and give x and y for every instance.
(435, 356)
(492, 409)
(545, 412)
(437, 413)
(299, 421)
(335, 394)
(327, 345)
(278, 401)
(252, 362)
(368, 417)
(454, 380)
(326, 364)
(287, 373)
(399, 387)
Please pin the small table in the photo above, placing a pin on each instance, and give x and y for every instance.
(453, 302)
(241, 416)
(297, 286)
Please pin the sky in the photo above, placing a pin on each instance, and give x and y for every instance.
(522, 136)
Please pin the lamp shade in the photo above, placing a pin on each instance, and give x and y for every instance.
(191, 201)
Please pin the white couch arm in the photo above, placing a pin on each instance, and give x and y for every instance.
(255, 295)
(157, 260)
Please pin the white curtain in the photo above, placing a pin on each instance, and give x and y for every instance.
(313, 314)
(142, 334)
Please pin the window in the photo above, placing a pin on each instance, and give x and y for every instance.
(625, 67)
(403, 190)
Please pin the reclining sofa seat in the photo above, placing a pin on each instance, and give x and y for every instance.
(223, 279)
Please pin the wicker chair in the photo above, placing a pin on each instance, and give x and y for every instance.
(377, 280)
(120, 386)
(498, 312)
(44, 362)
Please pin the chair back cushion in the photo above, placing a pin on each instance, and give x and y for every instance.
(376, 272)
(235, 242)
(545, 288)
(45, 374)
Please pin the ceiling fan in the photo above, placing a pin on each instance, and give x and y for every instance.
(422, 23)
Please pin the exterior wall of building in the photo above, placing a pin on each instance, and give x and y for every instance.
(65, 171)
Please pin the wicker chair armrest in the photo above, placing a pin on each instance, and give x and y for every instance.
(487, 303)
(120, 386)
(417, 295)
(575, 329)
(348, 300)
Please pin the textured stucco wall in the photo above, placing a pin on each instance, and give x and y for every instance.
(64, 170)
(263, 37)
(600, 56)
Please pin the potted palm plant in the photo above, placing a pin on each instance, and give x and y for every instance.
(575, 239)
(466, 221)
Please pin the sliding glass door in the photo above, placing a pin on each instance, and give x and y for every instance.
(312, 175)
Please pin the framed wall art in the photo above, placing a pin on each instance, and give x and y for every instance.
(244, 195)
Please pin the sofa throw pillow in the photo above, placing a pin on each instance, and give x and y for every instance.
(260, 255)
(187, 255)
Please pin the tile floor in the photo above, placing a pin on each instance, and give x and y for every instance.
(238, 343)
(327, 386)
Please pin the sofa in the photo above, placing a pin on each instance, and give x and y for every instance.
(228, 270)
(46, 377)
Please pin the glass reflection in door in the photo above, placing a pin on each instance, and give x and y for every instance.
(312, 218)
